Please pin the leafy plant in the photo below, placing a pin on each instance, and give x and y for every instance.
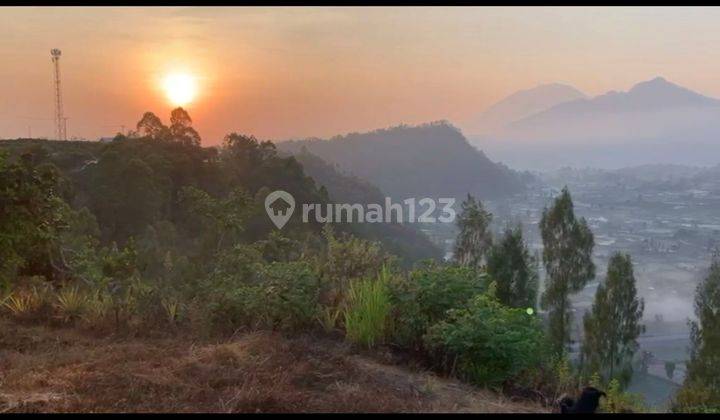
(425, 296)
(486, 343)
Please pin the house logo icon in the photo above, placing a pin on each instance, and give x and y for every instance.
(279, 206)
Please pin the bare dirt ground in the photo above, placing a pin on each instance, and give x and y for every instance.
(45, 369)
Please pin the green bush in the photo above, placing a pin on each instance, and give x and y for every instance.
(346, 259)
(696, 397)
(486, 343)
(283, 296)
(425, 296)
(367, 310)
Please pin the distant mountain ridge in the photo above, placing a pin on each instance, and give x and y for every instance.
(652, 95)
(430, 160)
(656, 121)
(524, 103)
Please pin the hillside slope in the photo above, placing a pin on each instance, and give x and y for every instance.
(400, 239)
(63, 370)
(431, 160)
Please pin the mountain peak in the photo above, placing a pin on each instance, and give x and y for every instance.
(655, 83)
(658, 79)
(659, 91)
(526, 102)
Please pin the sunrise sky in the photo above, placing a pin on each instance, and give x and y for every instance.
(283, 73)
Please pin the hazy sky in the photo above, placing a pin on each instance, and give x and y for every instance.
(281, 72)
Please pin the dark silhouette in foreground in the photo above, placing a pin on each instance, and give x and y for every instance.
(587, 403)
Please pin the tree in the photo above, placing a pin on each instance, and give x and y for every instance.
(703, 369)
(513, 269)
(151, 126)
(30, 217)
(474, 237)
(567, 257)
(181, 128)
(613, 325)
(220, 221)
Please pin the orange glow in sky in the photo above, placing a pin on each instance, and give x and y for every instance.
(294, 72)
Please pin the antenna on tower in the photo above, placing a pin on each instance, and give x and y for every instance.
(60, 121)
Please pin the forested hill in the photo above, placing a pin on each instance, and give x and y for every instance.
(399, 239)
(147, 189)
(430, 160)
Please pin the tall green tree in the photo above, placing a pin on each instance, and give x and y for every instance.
(474, 237)
(614, 323)
(702, 381)
(567, 258)
(30, 217)
(513, 270)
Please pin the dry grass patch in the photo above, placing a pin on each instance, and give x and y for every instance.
(61, 370)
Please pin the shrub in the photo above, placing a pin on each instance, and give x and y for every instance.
(289, 295)
(696, 397)
(367, 311)
(348, 258)
(486, 343)
(564, 379)
(283, 296)
(231, 310)
(554, 377)
(424, 298)
(617, 400)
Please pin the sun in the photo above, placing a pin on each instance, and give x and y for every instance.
(180, 88)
